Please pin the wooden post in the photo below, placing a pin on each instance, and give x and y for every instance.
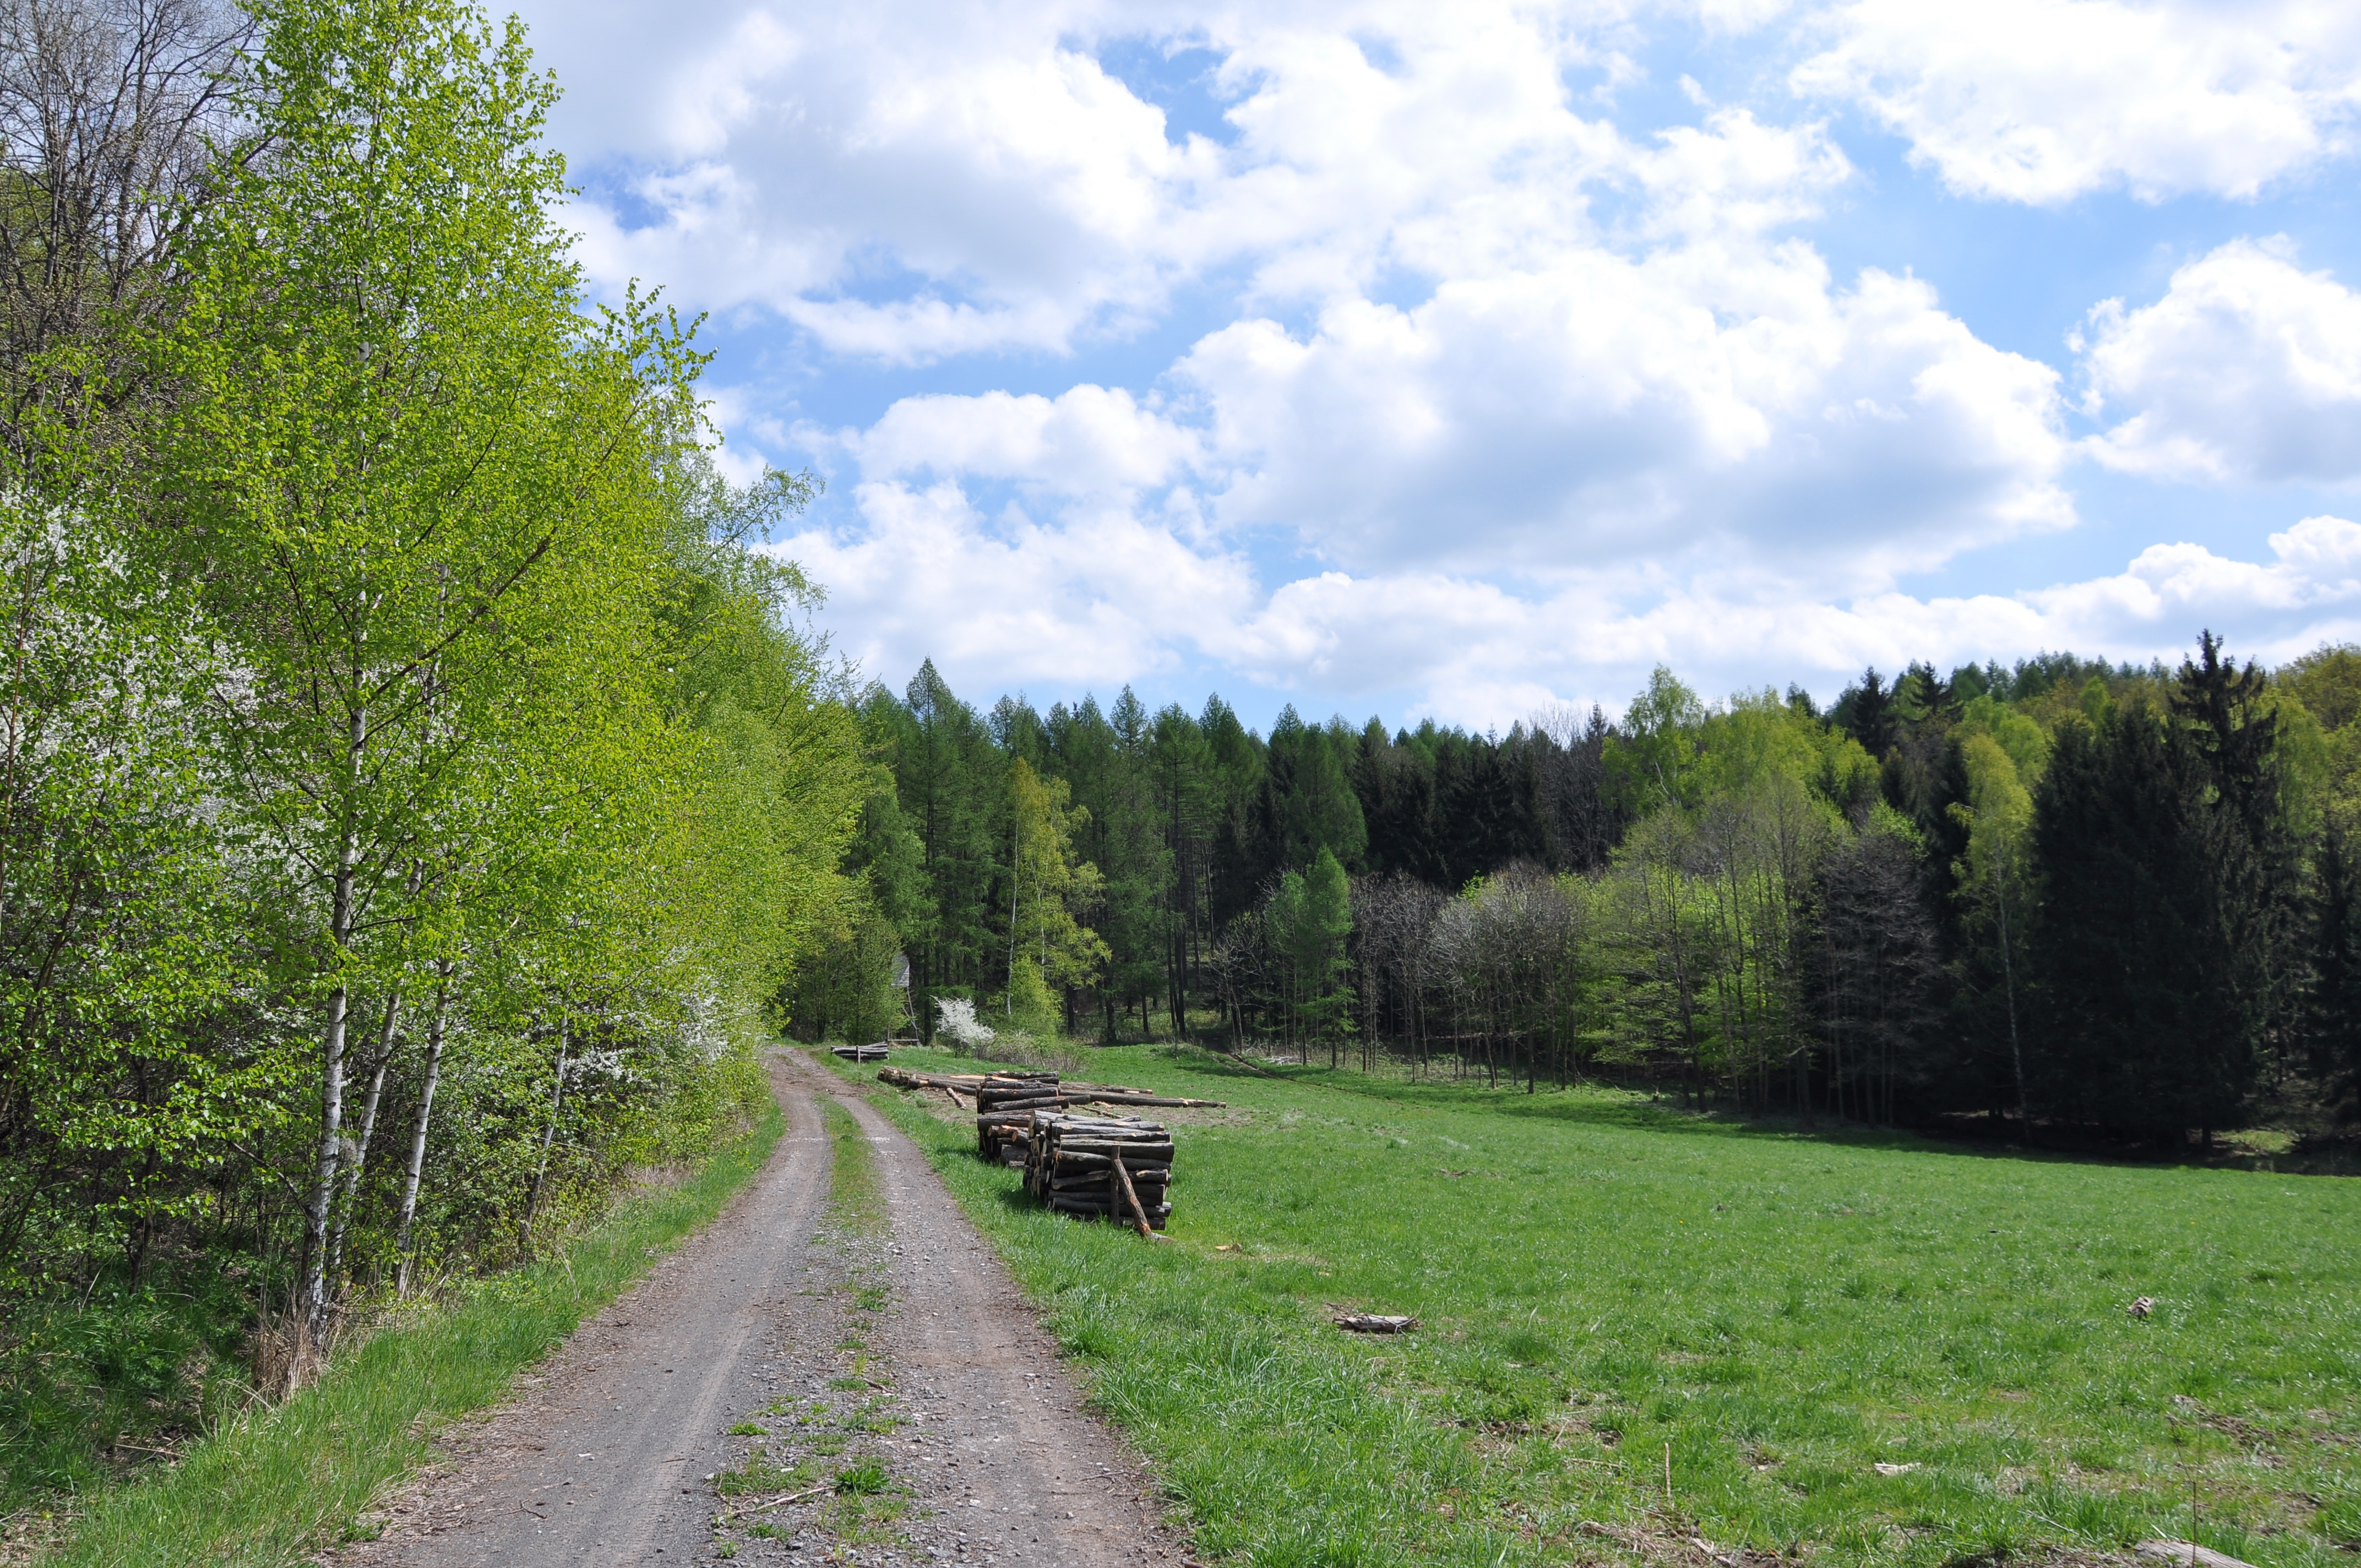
(1139, 1214)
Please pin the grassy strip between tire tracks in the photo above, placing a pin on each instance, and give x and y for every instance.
(270, 1489)
(1865, 1348)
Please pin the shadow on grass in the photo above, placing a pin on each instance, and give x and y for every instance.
(1599, 1105)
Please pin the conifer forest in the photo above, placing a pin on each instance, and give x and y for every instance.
(2061, 899)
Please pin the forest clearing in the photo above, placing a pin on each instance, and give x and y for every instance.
(1858, 1346)
(453, 883)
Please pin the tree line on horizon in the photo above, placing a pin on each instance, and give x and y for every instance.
(2061, 894)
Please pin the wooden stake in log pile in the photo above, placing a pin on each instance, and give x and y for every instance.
(1118, 1168)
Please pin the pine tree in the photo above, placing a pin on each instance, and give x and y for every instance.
(947, 781)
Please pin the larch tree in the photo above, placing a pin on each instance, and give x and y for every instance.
(1051, 887)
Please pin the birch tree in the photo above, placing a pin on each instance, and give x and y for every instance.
(414, 475)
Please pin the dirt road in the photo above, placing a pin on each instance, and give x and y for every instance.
(900, 1358)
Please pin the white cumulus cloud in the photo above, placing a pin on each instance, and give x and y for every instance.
(1607, 411)
(1422, 371)
(2248, 368)
(2044, 100)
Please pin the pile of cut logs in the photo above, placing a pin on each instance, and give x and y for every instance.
(1119, 1165)
(1003, 1114)
(1089, 1167)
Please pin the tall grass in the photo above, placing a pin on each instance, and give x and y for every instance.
(1611, 1290)
(271, 1487)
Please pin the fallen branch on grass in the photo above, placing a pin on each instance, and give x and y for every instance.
(779, 1502)
(1375, 1323)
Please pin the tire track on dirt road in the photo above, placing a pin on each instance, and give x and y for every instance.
(605, 1456)
(1023, 1472)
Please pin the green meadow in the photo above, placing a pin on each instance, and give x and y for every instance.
(1642, 1329)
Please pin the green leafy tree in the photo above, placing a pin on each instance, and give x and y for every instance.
(1996, 877)
(1049, 949)
(416, 475)
(1651, 762)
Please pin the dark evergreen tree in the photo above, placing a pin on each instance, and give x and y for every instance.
(2333, 1011)
(1104, 761)
(2254, 858)
(1864, 711)
(2139, 1022)
(1395, 784)
(1241, 863)
(948, 783)
(1187, 792)
(1307, 803)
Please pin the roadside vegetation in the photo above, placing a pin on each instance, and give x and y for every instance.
(416, 782)
(1856, 1344)
(270, 1486)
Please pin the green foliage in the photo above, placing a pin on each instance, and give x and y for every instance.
(1653, 758)
(425, 784)
(1847, 914)
(2145, 1026)
(866, 1479)
(1050, 886)
(83, 1378)
(844, 985)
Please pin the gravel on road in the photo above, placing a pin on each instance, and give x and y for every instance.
(776, 1342)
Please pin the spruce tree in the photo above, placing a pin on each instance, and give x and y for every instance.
(2333, 1014)
(2252, 859)
(2139, 1023)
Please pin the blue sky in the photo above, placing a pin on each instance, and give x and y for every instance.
(1465, 361)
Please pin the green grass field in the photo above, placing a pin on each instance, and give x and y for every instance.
(1609, 1289)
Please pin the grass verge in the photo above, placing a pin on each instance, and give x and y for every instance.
(1863, 1348)
(269, 1488)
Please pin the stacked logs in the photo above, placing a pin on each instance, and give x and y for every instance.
(1093, 1166)
(1119, 1166)
(1004, 1116)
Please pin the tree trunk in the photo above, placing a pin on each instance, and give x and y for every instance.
(549, 1135)
(418, 1128)
(343, 1217)
(313, 1273)
(2015, 1047)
